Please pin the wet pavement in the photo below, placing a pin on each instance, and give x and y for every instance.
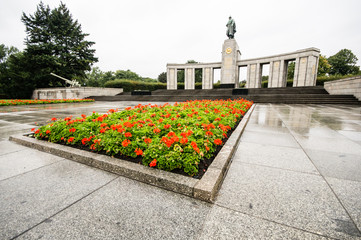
(295, 175)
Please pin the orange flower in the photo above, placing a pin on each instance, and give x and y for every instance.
(102, 130)
(218, 141)
(156, 130)
(127, 134)
(125, 143)
(153, 163)
(84, 141)
(184, 141)
(209, 133)
(138, 151)
(147, 140)
(166, 126)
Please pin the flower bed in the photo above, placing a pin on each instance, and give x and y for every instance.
(168, 137)
(13, 102)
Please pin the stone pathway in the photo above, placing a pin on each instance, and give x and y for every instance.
(295, 175)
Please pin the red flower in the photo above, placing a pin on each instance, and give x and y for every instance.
(53, 119)
(138, 151)
(84, 141)
(153, 163)
(184, 141)
(147, 140)
(47, 131)
(127, 134)
(171, 134)
(33, 129)
(156, 130)
(160, 120)
(209, 133)
(218, 141)
(62, 138)
(70, 139)
(103, 124)
(72, 130)
(83, 116)
(102, 130)
(166, 126)
(125, 143)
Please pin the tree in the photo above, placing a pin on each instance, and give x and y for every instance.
(291, 70)
(323, 66)
(162, 77)
(343, 63)
(7, 69)
(121, 74)
(55, 43)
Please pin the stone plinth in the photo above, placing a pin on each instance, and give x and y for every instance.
(345, 86)
(71, 93)
(230, 56)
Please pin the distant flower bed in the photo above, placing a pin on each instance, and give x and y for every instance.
(13, 102)
(168, 137)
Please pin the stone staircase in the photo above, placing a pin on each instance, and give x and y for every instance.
(289, 95)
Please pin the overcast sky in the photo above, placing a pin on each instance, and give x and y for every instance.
(145, 35)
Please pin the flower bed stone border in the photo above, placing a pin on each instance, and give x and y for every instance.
(204, 189)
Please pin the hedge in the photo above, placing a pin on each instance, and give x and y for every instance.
(130, 85)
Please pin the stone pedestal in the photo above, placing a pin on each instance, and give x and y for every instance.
(230, 56)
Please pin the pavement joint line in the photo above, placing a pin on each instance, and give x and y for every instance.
(63, 209)
(328, 184)
(272, 221)
(284, 169)
(63, 159)
(204, 189)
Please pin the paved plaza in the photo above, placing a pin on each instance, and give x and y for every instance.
(295, 175)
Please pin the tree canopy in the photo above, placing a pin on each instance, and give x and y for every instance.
(343, 63)
(56, 43)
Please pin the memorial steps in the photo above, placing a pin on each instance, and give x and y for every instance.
(289, 95)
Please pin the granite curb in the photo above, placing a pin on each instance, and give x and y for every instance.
(204, 189)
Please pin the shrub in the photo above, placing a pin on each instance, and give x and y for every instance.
(130, 85)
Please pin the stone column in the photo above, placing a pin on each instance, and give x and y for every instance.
(171, 78)
(254, 75)
(207, 78)
(283, 74)
(230, 56)
(311, 75)
(274, 74)
(189, 78)
(299, 79)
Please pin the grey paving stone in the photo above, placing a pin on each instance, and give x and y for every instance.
(337, 165)
(24, 160)
(224, 223)
(274, 156)
(349, 192)
(299, 200)
(9, 147)
(336, 145)
(126, 209)
(30, 198)
(276, 139)
(352, 135)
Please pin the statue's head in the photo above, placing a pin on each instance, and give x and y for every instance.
(230, 17)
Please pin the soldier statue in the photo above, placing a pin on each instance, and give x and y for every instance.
(231, 28)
